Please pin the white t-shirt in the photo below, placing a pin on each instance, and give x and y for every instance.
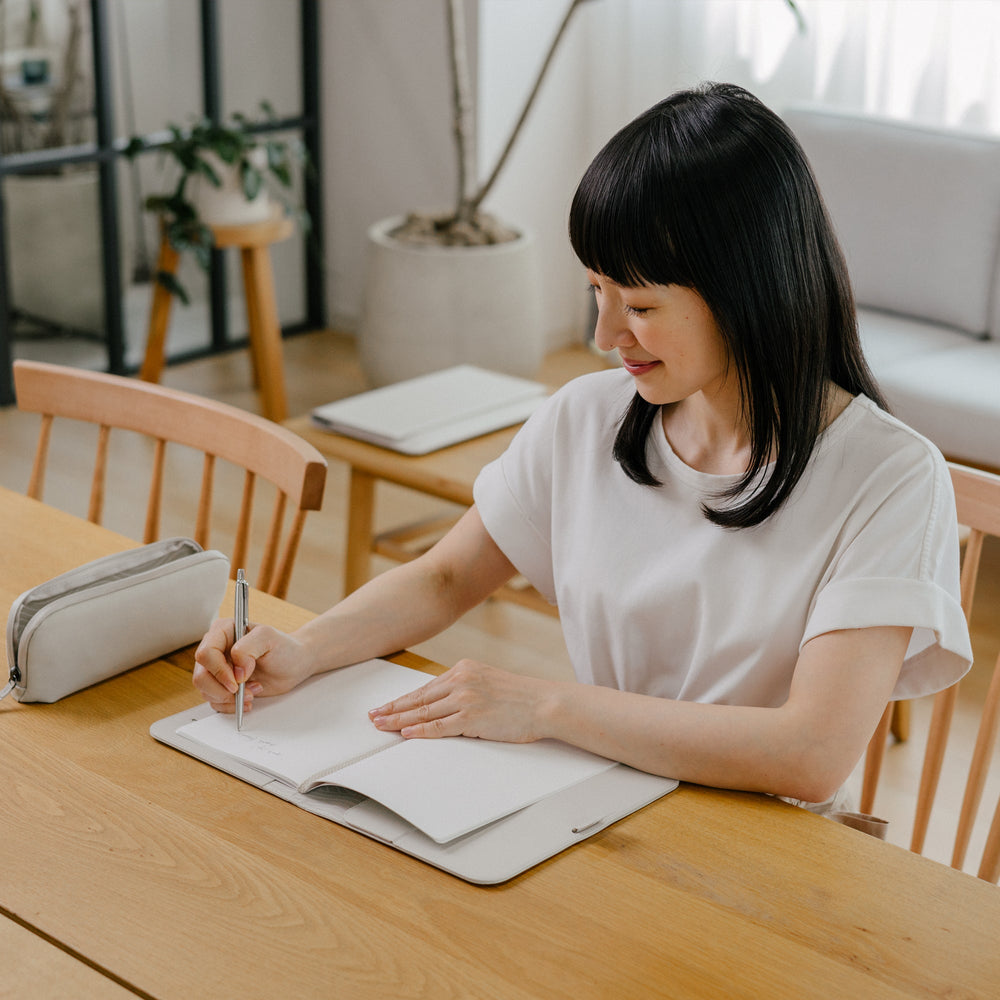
(656, 599)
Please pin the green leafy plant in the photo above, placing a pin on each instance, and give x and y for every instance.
(260, 160)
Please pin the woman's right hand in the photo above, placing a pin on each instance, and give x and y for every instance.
(269, 661)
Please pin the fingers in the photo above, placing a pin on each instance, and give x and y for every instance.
(471, 699)
(213, 674)
(438, 717)
(221, 666)
(413, 699)
(227, 705)
(445, 706)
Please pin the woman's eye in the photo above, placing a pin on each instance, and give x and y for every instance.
(635, 310)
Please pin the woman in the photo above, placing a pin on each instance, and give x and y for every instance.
(749, 555)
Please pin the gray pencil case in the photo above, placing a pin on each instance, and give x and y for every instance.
(110, 615)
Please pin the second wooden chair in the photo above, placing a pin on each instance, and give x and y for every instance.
(261, 448)
(977, 496)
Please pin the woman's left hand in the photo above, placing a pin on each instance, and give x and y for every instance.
(470, 699)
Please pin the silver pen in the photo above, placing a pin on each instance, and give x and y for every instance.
(242, 623)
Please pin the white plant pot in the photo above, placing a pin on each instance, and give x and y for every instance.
(427, 308)
(228, 205)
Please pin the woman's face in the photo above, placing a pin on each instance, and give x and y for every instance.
(666, 337)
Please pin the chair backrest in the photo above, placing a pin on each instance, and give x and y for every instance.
(977, 497)
(262, 449)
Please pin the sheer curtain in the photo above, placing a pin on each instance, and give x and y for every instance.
(927, 60)
(934, 61)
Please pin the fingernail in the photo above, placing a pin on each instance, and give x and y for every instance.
(239, 673)
(378, 721)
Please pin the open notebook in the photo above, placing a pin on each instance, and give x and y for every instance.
(433, 411)
(483, 811)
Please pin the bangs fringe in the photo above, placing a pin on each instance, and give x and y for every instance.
(618, 224)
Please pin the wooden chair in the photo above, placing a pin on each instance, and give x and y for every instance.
(261, 448)
(977, 495)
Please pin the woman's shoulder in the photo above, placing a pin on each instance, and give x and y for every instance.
(595, 393)
(876, 451)
(608, 383)
(599, 396)
(869, 428)
(588, 407)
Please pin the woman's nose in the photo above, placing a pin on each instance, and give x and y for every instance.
(611, 329)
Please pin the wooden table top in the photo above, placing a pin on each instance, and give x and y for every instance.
(170, 877)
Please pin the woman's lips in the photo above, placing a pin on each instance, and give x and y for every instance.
(638, 367)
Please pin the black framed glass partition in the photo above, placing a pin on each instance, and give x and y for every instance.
(78, 253)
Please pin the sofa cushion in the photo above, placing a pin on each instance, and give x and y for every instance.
(917, 211)
(889, 339)
(953, 398)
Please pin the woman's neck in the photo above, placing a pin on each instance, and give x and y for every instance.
(710, 434)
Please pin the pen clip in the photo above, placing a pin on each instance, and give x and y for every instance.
(242, 604)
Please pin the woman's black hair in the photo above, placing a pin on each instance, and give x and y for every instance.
(709, 189)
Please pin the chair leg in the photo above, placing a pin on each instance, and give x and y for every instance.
(989, 869)
(982, 754)
(901, 721)
(930, 774)
(873, 760)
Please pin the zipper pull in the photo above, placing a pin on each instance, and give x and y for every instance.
(15, 676)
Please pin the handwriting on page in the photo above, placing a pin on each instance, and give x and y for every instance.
(259, 744)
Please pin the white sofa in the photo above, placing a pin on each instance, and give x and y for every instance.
(917, 211)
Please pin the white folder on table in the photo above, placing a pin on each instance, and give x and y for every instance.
(433, 411)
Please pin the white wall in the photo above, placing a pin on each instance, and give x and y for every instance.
(536, 185)
(389, 147)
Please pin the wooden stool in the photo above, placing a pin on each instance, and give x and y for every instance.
(254, 240)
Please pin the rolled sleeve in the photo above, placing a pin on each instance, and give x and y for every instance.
(939, 652)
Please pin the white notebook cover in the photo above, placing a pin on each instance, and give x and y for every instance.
(433, 411)
(576, 807)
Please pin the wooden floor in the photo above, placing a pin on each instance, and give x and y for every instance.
(324, 366)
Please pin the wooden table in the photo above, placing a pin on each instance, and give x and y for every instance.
(447, 474)
(161, 875)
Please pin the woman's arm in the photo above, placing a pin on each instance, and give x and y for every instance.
(411, 602)
(393, 611)
(805, 749)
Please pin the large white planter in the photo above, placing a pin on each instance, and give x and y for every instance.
(427, 308)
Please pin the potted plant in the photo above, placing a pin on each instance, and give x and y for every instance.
(436, 289)
(437, 285)
(227, 174)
